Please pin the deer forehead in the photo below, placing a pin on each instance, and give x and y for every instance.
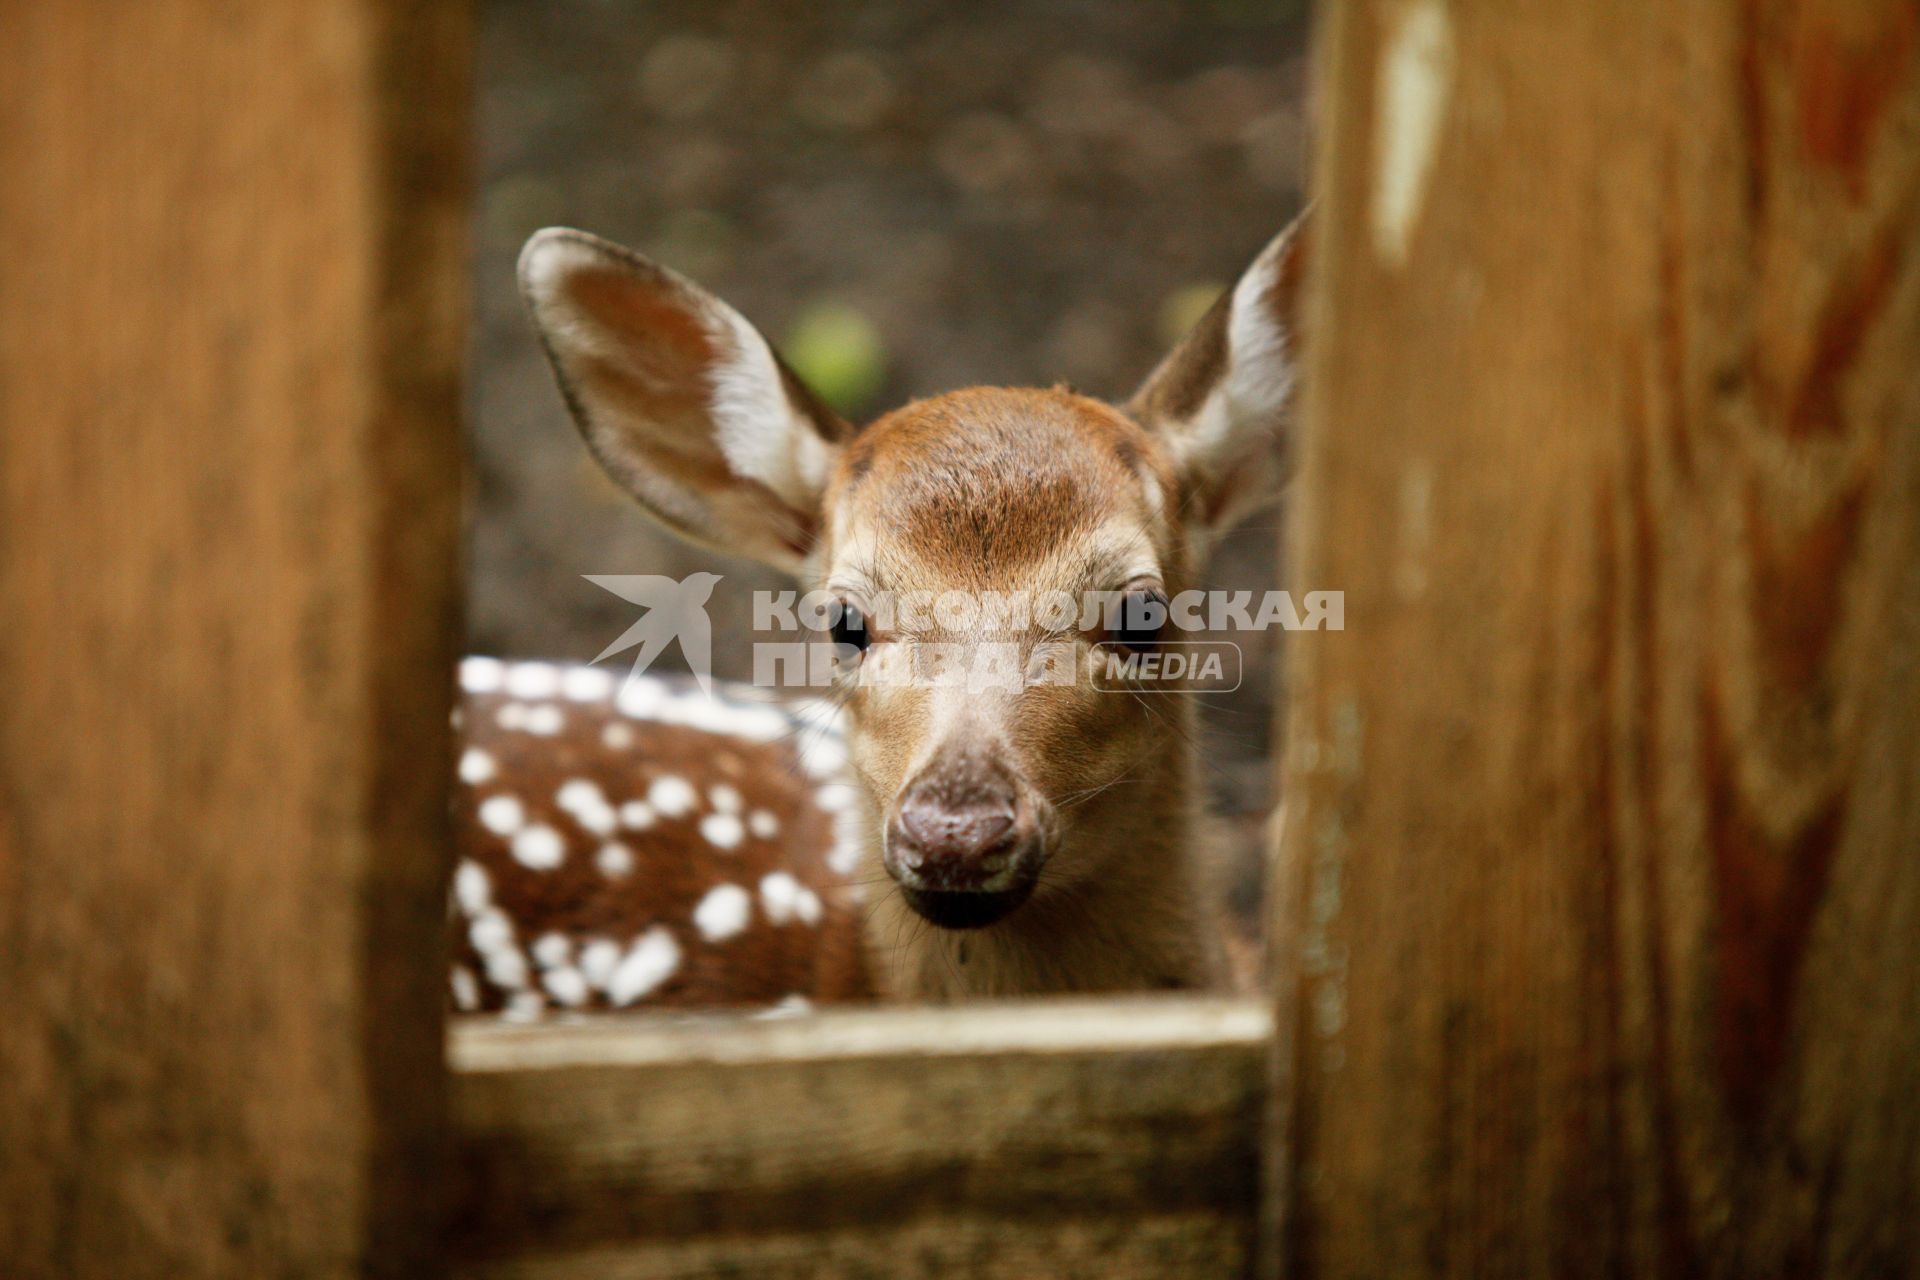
(999, 488)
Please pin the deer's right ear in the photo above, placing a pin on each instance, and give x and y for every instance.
(681, 400)
(1223, 398)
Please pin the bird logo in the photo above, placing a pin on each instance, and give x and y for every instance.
(676, 609)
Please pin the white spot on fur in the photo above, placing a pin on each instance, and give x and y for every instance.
(481, 675)
(598, 960)
(637, 815)
(844, 857)
(722, 830)
(532, 681)
(617, 736)
(539, 847)
(614, 859)
(727, 719)
(588, 804)
(506, 968)
(490, 931)
(723, 913)
(524, 1006)
(763, 824)
(545, 720)
(476, 766)
(1415, 79)
(641, 697)
(834, 797)
(779, 892)
(566, 985)
(551, 949)
(472, 888)
(466, 989)
(585, 684)
(649, 962)
(672, 796)
(511, 715)
(807, 906)
(645, 698)
(502, 815)
(723, 798)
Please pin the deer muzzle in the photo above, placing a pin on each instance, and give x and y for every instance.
(963, 844)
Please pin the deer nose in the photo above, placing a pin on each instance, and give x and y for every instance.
(938, 831)
(964, 846)
(959, 831)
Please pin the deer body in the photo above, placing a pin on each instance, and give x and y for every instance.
(1038, 837)
(626, 845)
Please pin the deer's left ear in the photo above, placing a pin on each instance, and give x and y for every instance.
(1222, 399)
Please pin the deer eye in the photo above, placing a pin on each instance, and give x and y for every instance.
(849, 626)
(1142, 619)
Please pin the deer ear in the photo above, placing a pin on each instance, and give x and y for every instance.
(682, 401)
(1222, 399)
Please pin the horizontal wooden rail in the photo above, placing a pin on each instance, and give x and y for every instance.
(1108, 1138)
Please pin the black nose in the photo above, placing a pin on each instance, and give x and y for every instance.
(962, 843)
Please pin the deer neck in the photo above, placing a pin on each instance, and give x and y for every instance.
(1134, 919)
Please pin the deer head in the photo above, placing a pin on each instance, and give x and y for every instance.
(990, 805)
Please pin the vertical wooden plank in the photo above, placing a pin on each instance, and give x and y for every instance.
(1605, 808)
(230, 312)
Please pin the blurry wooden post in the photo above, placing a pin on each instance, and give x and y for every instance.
(1605, 911)
(231, 305)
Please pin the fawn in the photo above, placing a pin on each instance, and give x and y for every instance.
(1038, 839)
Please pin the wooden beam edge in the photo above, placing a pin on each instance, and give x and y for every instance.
(1029, 1027)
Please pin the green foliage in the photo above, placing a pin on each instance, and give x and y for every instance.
(839, 353)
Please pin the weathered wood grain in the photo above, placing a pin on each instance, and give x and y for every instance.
(230, 327)
(1605, 807)
(1113, 1138)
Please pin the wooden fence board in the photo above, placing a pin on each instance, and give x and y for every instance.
(1604, 934)
(231, 303)
(1108, 1138)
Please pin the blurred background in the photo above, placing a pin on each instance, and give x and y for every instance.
(906, 198)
